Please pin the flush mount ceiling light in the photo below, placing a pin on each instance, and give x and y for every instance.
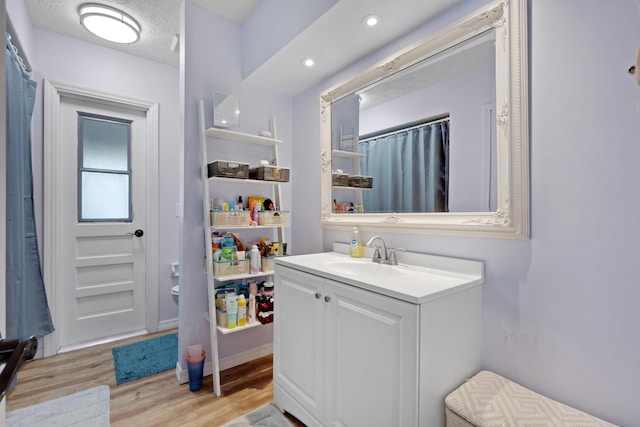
(109, 23)
(371, 20)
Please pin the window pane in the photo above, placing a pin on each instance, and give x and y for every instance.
(104, 196)
(105, 144)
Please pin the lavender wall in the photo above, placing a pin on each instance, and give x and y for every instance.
(69, 60)
(209, 67)
(559, 310)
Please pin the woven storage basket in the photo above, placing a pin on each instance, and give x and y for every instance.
(360, 181)
(231, 268)
(230, 218)
(228, 169)
(270, 173)
(274, 218)
(269, 263)
(340, 179)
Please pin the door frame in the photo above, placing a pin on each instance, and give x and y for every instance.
(53, 92)
(3, 194)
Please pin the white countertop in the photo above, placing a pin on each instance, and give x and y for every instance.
(428, 277)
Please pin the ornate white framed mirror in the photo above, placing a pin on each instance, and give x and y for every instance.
(455, 164)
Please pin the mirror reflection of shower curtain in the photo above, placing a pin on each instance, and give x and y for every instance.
(27, 308)
(411, 170)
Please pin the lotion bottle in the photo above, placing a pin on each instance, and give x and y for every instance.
(355, 249)
(242, 311)
(256, 264)
(232, 310)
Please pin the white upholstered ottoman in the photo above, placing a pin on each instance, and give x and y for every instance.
(488, 399)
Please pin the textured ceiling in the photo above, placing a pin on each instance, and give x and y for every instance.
(159, 19)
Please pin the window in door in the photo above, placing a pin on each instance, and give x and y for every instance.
(104, 168)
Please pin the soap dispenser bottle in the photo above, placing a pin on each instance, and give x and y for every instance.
(355, 249)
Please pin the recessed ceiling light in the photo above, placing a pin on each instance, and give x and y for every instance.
(308, 62)
(109, 23)
(371, 20)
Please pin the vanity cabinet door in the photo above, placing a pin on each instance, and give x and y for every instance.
(372, 358)
(298, 362)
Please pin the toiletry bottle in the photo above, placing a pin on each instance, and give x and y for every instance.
(232, 310)
(355, 250)
(254, 214)
(267, 288)
(252, 309)
(256, 264)
(242, 310)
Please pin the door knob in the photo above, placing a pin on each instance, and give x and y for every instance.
(137, 233)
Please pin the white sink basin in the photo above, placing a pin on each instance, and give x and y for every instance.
(362, 268)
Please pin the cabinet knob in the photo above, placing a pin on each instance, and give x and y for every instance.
(327, 298)
(318, 295)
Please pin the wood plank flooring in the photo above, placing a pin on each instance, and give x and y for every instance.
(156, 400)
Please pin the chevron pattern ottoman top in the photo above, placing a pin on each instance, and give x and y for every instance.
(489, 400)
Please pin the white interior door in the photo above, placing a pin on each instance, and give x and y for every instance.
(102, 237)
(98, 255)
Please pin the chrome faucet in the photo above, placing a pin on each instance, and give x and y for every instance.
(392, 255)
(377, 255)
(381, 255)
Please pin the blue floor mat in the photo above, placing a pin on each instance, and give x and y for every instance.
(141, 359)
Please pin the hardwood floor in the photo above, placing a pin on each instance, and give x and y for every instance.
(156, 400)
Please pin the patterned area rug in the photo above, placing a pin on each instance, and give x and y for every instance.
(89, 408)
(145, 358)
(266, 416)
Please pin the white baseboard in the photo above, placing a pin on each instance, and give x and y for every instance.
(246, 356)
(87, 344)
(228, 362)
(165, 325)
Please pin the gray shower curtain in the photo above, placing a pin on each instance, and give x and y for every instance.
(410, 169)
(27, 309)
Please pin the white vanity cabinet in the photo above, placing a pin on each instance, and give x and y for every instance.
(298, 344)
(348, 356)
